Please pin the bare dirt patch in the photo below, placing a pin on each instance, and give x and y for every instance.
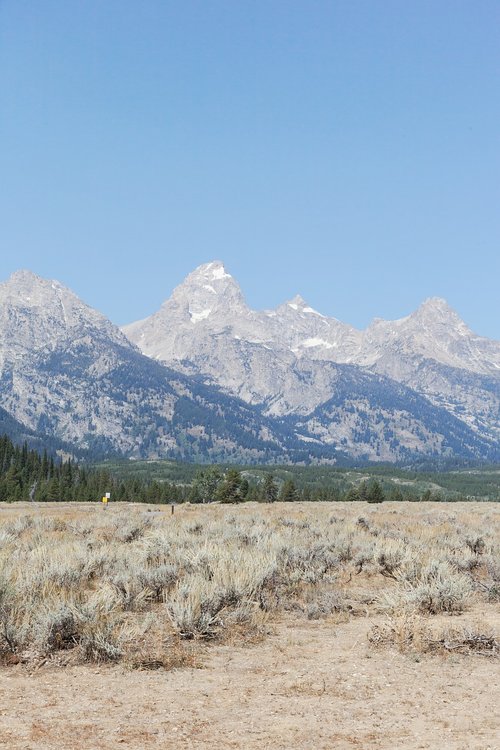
(309, 685)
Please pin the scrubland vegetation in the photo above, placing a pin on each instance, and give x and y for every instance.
(139, 585)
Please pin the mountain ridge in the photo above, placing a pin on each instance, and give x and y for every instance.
(67, 372)
(434, 319)
(261, 355)
(208, 378)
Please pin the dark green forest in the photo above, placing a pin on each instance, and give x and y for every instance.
(29, 474)
(26, 474)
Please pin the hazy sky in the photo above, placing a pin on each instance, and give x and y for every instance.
(348, 150)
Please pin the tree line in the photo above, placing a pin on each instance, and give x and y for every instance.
(26, 474)
(30, 475)
(231, 486)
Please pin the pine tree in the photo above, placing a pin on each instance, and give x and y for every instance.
(205, 485)
(229, 490)
(352, 495)
(288, 493)
(270, 489)
(374, 492)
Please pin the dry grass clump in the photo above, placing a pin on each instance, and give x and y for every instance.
(433, 588)
(413, 634)
(467, 639)
(148, 588)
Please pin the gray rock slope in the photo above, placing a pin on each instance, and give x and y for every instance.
(289, 360)
(67, 372)
(221, 382)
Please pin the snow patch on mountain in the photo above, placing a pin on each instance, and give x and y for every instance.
(220, 273)
(311, 311)
(196, 317)
(308, 343)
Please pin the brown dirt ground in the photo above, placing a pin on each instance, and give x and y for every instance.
(308, 685)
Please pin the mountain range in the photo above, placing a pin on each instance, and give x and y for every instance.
(208, 378)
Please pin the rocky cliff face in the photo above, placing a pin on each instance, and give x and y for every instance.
(287, 359)
(223, 382)
(37, 315)
(433, 352)
(66, 371)
(433, 332)
(206, 328)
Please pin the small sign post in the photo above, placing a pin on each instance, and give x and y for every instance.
(105, 499)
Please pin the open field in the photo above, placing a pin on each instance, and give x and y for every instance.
(332, 625)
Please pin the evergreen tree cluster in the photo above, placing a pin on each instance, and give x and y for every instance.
(28, 475)
(213, 485)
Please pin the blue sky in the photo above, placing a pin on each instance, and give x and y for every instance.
(345, 150)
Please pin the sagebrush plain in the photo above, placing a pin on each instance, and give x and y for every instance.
(284, 625)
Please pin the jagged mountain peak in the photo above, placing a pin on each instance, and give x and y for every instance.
(437, 308)
(433, 332)
(297, 301)
(432, 314)
(209, 273)
(23, 275)
(38, 312)
(28, 290)
(24, 281)
(207, 300)
(207, 291)
(299, 305)
(435, 303)
(209, 277)
(435, 318)
(214, 268)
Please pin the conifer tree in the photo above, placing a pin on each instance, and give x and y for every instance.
(270, 489)
(288, 493)
(229, 491)
(374, 492)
